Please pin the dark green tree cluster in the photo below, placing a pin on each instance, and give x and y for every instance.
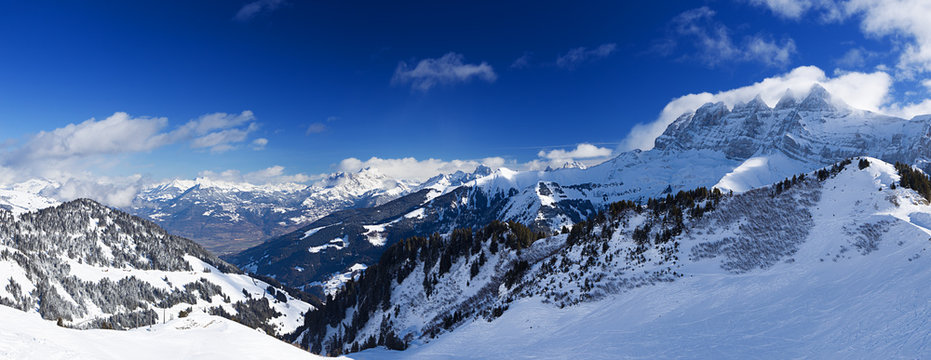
(786, 184)
(254, 313)
(911, 178)
(825, 173)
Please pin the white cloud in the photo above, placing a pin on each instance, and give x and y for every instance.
(446, 70)
(710, 42)
(215, 121)
(787, 8)
(419, 170)
(316, 128)
(259, 144)
(768, 51)
(252, 9)
(905, 21)
(223, 140)
(271, 175)
(217, 131)
(868, 91)
(581, 151)
(118, 192)
(906, 18)
(579, 55)
(118, 133)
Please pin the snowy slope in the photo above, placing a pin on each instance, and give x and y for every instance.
(93, 267)
(198, 336)
(826, 267)
(25, 197)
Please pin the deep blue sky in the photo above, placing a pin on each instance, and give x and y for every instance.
(305, 62)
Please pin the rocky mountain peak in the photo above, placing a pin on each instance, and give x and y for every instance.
(756, 104)
(818, 99)
(786, 101)
(482, 170)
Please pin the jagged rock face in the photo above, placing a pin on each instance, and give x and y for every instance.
(93, 266)
(817, 129)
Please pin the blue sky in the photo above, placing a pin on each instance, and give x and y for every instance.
(307, 84)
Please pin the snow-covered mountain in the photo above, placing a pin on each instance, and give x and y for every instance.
(831, 263)
(227, 217)
(738, 149)
(321, 255)
(26, 196)
(89, 266)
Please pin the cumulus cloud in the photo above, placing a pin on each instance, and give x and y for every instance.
(711, 42)
(447, 70)
(868, 91)
(118, 192)
(118, 133)
(251, 10)
(579, 55)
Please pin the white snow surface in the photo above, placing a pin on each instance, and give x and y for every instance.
(337, 243)
(25, 197)
(198, 336)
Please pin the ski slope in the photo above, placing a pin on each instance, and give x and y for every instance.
(199, 336)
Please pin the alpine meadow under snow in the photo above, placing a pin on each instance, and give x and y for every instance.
(441, 180)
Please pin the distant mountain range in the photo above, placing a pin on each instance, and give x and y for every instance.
(227, 216)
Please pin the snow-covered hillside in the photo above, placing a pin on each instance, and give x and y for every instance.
(95, 267)
(198, 336)
(25, 197)
(834, 263)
